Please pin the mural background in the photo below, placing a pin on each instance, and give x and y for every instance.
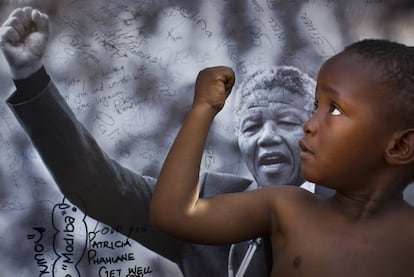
(127, 70)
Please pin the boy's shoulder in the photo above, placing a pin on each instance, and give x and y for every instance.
(291, 191)
(405, 215)
(292, 198)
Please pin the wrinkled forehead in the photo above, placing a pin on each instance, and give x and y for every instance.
(276, 111)
(267, 98)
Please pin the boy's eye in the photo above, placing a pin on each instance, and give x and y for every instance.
(315, 106)
(334, 110)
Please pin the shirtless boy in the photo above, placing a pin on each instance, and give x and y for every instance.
(359, 141)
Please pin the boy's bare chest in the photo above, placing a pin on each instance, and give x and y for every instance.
(338, 249)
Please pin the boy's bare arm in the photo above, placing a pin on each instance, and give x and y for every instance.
(176, 207)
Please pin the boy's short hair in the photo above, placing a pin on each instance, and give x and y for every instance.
(395, 64)
(250, 91)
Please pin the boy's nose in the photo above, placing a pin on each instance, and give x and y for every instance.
(309, 127)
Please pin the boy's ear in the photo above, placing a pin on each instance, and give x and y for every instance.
(400, 151)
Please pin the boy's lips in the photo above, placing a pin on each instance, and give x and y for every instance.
(305, 148)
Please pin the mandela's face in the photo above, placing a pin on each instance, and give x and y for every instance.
(269, 137)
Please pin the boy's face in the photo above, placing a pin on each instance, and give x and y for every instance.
(346, 137)
(269, 136)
